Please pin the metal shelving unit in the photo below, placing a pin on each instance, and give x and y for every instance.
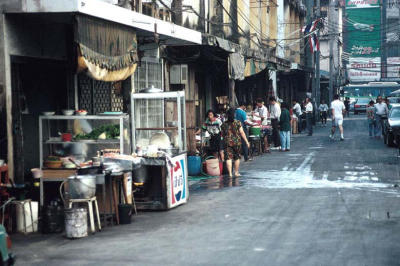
(48, 124)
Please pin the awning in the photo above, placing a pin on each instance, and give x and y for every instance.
(106, 51)
(254, 67)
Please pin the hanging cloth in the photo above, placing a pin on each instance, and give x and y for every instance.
(106, 51)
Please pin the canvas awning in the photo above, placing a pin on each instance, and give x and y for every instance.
(106, 51)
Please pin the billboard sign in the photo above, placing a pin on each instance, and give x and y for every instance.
(393, 67)
(362, 3)
(363, 32)
(364, 69)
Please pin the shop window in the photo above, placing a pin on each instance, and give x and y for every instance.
(149, 113)
(148, 74)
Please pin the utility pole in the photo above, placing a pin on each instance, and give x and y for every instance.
(331, 40)
(317, 66)
(309, 55)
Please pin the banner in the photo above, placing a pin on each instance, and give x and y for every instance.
(393, 67)
(363, 32)
(364, 69)
(362, 3)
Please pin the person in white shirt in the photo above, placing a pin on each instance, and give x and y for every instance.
(264, 115)
(297, 112)
(275, 114)
(323, 108)
(309, 114)
(381, 111)
(338, 109)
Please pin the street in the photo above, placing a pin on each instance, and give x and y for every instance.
(323, 203)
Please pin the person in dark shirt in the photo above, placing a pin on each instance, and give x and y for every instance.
(284, 124)
(347, 106)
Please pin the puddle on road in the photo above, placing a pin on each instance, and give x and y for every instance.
(361, 177)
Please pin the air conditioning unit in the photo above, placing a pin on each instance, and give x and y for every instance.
(178, 74)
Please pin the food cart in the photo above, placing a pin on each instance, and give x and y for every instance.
(80, 137)
(159, 140)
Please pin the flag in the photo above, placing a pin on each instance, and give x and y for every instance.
(314, 42)
(310, 27)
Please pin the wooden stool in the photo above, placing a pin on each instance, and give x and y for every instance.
(90, 208)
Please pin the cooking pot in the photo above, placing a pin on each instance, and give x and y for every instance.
(82, 186)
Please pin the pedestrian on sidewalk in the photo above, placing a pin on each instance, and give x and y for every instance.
(338, 110)
(284, 123)
(297, 112)
(381, 112)
(371, 119)
(241, 115)
(262, 112)
(323, 108)
(232, 133)
(275, 113)
(347, 106)
(309, 114)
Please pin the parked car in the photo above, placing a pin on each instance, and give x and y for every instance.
(391, 130)
(360, 106)
(7, 258)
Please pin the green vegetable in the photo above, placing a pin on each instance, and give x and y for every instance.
(112, 132)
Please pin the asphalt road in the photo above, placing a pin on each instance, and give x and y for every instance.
(323, 203)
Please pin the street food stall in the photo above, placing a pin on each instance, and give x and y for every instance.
(159, 139)
(68, 142)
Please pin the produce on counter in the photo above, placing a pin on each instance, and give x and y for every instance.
(103, 132)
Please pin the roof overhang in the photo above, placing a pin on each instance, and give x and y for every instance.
(109, 12)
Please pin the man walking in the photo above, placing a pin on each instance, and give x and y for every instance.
(381, 112)
(275, 114)
(347, 105)
(309, 114)
(298, 113)
(338, 110)
(240, 114)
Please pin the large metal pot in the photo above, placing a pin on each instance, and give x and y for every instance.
(82, 186)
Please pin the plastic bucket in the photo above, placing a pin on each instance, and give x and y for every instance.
(194, 165)
(125, 213)
(76, 223)
(255, 131)
(213, 167)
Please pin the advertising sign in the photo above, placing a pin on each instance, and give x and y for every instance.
(363, 32)
(364, 69)
(393, 67)
(362, 3)
(177, 183)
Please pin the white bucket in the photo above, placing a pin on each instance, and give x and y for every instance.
(23, 207)
(76, 223)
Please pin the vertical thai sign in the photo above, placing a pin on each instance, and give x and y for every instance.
(363, 28)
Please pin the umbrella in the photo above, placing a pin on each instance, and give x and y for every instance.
(395, 92)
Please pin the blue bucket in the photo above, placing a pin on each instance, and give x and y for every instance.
(194, 165)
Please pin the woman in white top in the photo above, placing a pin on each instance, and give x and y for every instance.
(323, 108)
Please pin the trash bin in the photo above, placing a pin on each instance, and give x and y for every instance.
(125, 213)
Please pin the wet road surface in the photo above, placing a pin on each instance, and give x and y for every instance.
(323, 203)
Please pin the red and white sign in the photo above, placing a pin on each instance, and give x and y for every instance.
(177, 181)
(364, 69)
(393, 67)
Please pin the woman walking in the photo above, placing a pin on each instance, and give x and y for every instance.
(371, 118)
(232, 132)
(284, 123)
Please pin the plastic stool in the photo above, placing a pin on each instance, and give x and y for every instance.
(90, 208)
